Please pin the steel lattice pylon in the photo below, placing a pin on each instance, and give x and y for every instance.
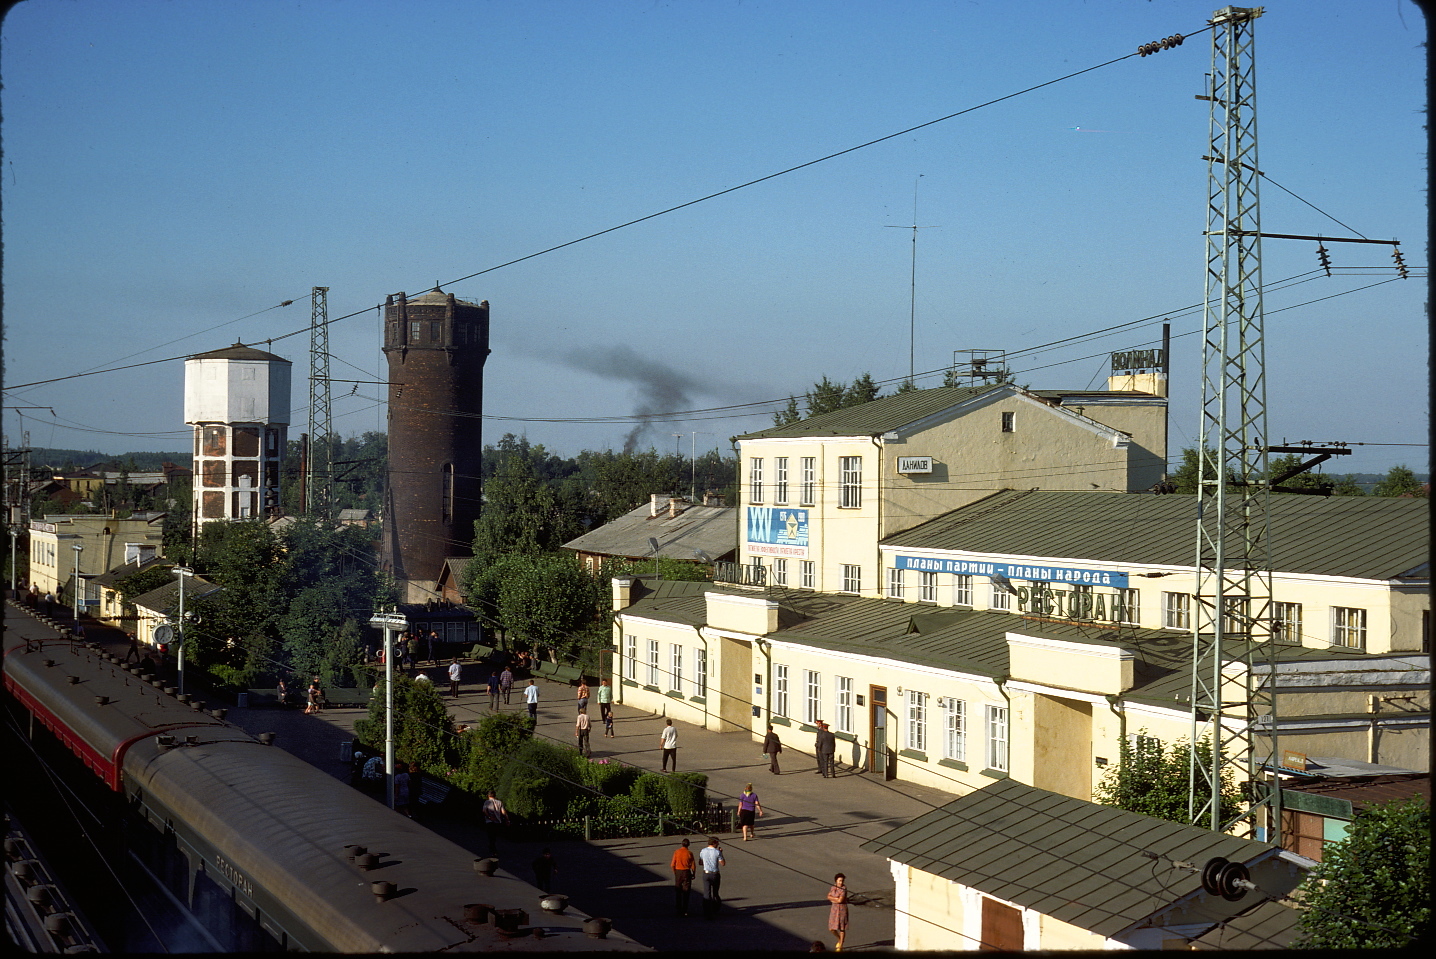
(1232, 665)
(317, 470)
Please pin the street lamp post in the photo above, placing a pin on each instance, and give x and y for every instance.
(183, 572)
(78, 550)
(390, 623)
(13, 533)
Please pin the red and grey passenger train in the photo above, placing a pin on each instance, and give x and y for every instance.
(266, 851)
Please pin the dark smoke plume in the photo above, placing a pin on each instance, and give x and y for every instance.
(661, 389)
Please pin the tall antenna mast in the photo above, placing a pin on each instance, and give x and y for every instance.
(912, 298)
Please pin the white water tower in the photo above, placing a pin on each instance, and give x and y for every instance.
(237, 399)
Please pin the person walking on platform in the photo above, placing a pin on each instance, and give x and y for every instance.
(748, 804)
(605, 705)
(531, 696)
(506, 683)
(494, 689)
(455, 671)
(668, 742)
(772, 746)
(712, 860)
(581, 730)
(495, 817)
(838, 911)
(544, 867)
(683, 865)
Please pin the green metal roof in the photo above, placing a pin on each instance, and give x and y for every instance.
(876, 416)
(962, 640)
(1365, 537)
(1076, 861)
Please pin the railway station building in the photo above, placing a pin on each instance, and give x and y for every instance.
(954, 634)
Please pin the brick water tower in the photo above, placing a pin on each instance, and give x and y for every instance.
(237, 400)
(436, 345)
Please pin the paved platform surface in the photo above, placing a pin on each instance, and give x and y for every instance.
(774, 888)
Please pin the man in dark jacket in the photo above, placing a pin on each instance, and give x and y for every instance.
(827, 745)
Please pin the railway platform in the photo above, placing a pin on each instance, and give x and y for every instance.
(774, 887)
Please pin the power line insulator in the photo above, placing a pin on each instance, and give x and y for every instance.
(1400, 263)
(1166, 43)
(1324, 257)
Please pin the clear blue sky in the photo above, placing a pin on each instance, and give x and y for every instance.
(172, 167)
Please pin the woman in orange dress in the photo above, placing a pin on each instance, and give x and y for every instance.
(838, 913)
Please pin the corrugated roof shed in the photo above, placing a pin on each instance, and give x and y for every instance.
(1365, 537)
(712, 529)
(1076, 861)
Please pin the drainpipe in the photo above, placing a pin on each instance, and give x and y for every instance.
(877, 494)
(707, 669)
(1375, 704)
(618, 685)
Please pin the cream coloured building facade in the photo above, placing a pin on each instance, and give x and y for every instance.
(989, 659)
(820, 494)
(105, 541)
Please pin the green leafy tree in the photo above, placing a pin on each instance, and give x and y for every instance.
(137, 584)
(423, 730)
(1399, 481)
(549, 601)
(828, 395)
(520, 513)
(1347, 486)
(1155, 780)
(1372, 889)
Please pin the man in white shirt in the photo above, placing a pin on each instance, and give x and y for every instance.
(668, 740)
(455, 671)
(531, 694)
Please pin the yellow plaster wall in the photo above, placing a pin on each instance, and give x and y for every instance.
(973, 458)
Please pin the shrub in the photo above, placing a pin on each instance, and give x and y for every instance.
(650, 793)
(611, 779)
(687, 793)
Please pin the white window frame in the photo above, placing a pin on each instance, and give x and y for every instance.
(843, 704)
(954, 729)
(852, 578)
(997, 737)
(1129, 601)
(962, 589)
(927, 587)
(812, 696)
(806, 570)
(700, 671)
(675, 661)
(632, 656)
(1236, 622)
(810, 481)
(1009, 421)
(850, 480)
(755, 480)
(1348, 627)
(1177, 610)
(1286, 623)
(654, 670)
(917, 721)
(780, 689)
(1001, 598)
(780, 480)
(780, 571)
(895, 582)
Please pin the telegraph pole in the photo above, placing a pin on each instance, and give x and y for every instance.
(317, 467)
(1233, 618)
